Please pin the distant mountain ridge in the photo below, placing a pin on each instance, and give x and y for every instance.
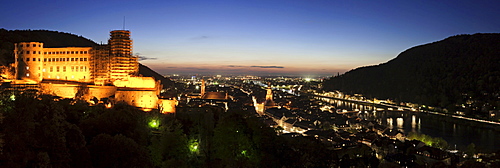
(456, 70)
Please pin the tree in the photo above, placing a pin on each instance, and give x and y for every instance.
(117, 151)
(170, 148)
(470, 150)
(232, 143)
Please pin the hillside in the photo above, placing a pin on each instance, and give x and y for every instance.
(456, 70)
(148, 72)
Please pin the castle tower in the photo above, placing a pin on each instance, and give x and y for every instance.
(101, 65)
(29, 60)
(123, 64)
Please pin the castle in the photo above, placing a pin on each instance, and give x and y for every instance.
(102, 72)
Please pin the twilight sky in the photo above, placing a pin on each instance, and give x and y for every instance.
(291, 37)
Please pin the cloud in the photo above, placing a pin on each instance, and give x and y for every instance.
(235, 66)
(258, 66)
(142, 58)
(200, 37)
(196, 68)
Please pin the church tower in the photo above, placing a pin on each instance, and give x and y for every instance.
(269, 95)
(269, 103)
(202, 88)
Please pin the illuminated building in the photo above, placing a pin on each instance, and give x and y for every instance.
(220, 99)
(268, 103)
(98, 72)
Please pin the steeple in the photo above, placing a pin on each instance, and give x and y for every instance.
(269, 103)
(202, 87)
(269, 95)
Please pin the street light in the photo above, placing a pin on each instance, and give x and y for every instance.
(153, 124)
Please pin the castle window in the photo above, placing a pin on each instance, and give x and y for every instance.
(44, 52)
(27, 52)
(57, 69)
(64, 68)
(34, 45)
(34, 59)
(81, 52)
(85, 52)
(72, 69)
(39, 52)
(72, 52)
(39, 45)
(44, 59)
(84, 59)
(81, 59)
(38, 59)
(27, 59)
(51, 70)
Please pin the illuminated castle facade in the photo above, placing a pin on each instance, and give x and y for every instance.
(99, 65)
(99, 72)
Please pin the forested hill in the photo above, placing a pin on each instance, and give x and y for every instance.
(443, 73)
(49, 38)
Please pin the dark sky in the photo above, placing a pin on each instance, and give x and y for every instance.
(260, 37)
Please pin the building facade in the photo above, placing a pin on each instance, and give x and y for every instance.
(103, 71)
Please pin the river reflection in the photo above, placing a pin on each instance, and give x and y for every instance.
(455, 133)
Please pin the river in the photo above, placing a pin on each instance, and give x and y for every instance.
(455, 131)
